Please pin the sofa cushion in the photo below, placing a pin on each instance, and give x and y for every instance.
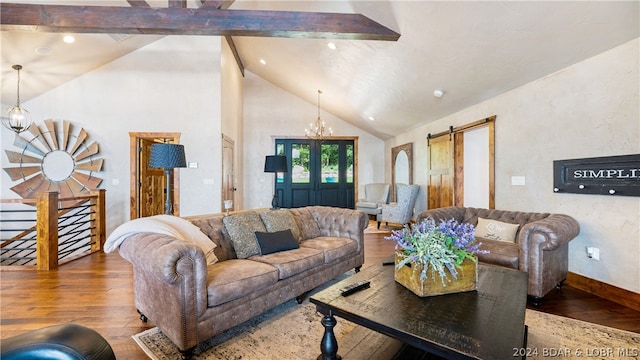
(332, 247)
(306, 223)
(496, 230)
(242, 229)
(271, 242)
(500, 253)
(292, 262)
(233, 279)
(368, 205)
(278, 220)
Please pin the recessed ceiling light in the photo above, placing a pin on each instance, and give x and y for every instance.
(438, 93)
(43, 50)
(69, 39)
(263, 62)
(331, 46)
(371, 118)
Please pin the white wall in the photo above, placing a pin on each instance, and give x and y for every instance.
(271, 112)
(590, 109)
(172, 85)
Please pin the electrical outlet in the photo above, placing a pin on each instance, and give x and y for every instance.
(593, 253)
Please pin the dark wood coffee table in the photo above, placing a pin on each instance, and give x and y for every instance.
(484, 324)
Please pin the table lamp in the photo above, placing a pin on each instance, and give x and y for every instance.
(275, 164)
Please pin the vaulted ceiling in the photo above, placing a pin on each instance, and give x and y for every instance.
(472, 51)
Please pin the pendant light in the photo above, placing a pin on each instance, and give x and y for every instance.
(17, 118)
(317, 131)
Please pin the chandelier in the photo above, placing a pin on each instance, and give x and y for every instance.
(17, 118)
(317, 131)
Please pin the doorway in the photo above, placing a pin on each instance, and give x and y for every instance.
(462, 166)
(319, 172)
(147, 185)
(228, 175)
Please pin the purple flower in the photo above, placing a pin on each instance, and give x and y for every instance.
(442, 246)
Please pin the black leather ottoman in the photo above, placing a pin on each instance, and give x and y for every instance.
(60, 342)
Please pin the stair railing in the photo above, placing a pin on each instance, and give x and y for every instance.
(55, 232)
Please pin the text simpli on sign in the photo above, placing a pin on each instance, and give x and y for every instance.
(610, 175)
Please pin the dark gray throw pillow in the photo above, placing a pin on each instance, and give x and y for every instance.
(271, 242)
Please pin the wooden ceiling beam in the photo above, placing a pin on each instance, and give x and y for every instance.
(182, 21)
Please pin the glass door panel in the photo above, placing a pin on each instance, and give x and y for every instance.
(329, 162)
(300, 164)
(349, 164)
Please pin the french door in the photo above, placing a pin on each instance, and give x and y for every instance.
(319, 173)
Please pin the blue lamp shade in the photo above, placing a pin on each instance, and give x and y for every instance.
(167, 156)
(275, 163)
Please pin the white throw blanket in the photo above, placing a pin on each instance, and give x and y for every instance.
(163, 224)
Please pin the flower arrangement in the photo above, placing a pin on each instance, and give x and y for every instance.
(437, 246)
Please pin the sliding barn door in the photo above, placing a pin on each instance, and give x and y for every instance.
(461, 166)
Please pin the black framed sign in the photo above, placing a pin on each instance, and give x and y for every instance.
(609, 175)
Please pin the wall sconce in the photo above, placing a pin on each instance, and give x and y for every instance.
(17, 118)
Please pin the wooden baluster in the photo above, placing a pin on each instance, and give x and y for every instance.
(47, 230)
(98, 217)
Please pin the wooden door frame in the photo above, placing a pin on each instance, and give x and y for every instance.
(458, 179)
(408, 149)
(134, 180)
(233, 166)
(456, 135)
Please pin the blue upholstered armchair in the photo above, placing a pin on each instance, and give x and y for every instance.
(375, 195)
(400, 212)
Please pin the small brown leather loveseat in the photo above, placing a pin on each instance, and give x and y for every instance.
(540, 246)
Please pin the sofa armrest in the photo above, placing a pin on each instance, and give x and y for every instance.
(554, 231)
(444, 213)
(177, 269)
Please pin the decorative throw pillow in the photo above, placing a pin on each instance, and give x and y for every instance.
(496, 230)
(242, 229)
(279, 220)
(271, 242)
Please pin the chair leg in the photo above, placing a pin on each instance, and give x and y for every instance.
(378, 225)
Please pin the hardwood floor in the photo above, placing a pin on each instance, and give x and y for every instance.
(96, 291)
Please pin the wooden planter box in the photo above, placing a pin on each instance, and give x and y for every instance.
(467, 279)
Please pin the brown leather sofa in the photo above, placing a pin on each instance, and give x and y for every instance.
(540, 247)
(191, 301)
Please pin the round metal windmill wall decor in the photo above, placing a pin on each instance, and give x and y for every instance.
(54, 158)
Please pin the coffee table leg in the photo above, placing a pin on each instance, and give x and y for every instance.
(329, 344)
